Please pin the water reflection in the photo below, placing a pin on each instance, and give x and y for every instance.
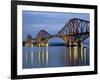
(81, 53)
(55, 56)
(47, 54)
(43, 54)
(39, 55)
(84, 55)
(26, 56)
(70, 52)
(75, 54)
(32, 55)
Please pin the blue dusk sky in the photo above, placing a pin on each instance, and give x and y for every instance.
(52, 22)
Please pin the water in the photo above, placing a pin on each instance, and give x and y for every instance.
(55, 56)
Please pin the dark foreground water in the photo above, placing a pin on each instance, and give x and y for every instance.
(55, 56)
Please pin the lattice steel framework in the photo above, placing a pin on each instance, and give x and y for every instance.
(42, 35)
(76, 29)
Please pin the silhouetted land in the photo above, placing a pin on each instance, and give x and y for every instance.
(53, 44)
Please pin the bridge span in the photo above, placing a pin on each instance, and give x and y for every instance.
(74, 31)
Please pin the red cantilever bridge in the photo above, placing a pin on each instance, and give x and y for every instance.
(75, 30)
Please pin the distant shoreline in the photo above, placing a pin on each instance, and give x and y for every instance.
(55, 44)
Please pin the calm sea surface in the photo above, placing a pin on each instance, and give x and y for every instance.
(55, 56)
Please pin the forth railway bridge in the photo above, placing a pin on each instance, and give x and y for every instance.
(75, 31)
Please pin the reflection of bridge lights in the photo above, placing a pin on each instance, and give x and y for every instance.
(75, 53)
(70, 51)
(47, 54)
(39, 55)
(84, 50)
(42, 54)
(32, 55)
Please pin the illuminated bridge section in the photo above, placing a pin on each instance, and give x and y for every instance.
(42, 36)
(75, 30)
